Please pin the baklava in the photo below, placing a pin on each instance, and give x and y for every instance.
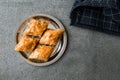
(36, 27)
(26, 44)
(51, 36)
(41, 53)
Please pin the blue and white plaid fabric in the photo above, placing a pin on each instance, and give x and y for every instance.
(102, 15)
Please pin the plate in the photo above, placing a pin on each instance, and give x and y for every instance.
(60, 47)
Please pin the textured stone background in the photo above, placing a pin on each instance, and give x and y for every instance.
(90, 55)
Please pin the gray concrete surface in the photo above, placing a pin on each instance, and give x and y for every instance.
(90, 55)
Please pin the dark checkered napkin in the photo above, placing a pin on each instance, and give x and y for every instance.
(102, 15)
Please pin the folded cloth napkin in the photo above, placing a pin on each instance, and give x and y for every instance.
(102, 15)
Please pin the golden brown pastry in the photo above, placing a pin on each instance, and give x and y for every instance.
(51, 36)
(26, 44)
(41, 53)
(36, 27)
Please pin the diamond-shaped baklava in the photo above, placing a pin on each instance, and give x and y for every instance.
(36, 27)
(41, 53)
(51, 36)
(26, 44)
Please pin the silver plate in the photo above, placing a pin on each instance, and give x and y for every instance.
(60, 47)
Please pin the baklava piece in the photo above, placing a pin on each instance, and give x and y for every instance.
(41, 53)
(26, 44)
(51, 36)
(36, 27)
